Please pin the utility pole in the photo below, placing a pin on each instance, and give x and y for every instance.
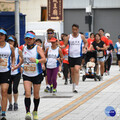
(17, 22)
(91, 3)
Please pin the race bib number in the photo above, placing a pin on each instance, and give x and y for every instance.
(4, 63)
(31, 67)
(100, 54)
(66, 57)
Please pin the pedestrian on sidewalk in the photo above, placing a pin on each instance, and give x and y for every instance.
(54, 56)
(33, 56)
(15, 75)
(6, 52)
(75, 41)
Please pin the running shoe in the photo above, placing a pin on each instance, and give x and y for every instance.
(15, 106)
(28, 116)
(66, 83)
(10, 107)
(70, 81)
(75, 91)
(54, 91)
(59, 74)
(35, 115)
(51, 88)
(47, 89)
(3, 118)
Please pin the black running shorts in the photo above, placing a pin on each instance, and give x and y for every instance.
(74, 61)
(35, 80)
(118, 57)
(5, 77)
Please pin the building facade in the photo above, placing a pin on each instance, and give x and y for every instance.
(105, 14)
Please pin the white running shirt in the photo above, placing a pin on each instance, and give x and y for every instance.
(16, 62)
(47, 44)
(5, 54)
(31, 69)
(52, 61)
(75, 46)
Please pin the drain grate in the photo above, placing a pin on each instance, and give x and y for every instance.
(54, 96)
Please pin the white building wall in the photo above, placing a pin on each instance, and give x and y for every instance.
(32, 9)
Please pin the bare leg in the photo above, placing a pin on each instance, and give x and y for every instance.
(4, 90)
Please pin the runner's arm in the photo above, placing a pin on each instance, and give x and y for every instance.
(43, 46)
(61, 54)
(85, 41)
(20, 59)
(41, 53)
(12, 55)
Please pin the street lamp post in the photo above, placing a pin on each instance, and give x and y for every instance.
(17, 25)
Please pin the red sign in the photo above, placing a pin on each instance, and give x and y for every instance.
(55, 10)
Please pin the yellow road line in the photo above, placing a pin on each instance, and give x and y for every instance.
(82, 102)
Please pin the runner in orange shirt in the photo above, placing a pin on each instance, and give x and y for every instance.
(66, 67)
(90, 40)
(109, 55)
(103, 38)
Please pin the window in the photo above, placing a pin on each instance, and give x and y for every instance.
(43, 13)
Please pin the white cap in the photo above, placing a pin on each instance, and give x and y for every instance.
(107, 35)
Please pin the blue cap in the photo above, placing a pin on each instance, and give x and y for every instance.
(29, 35)
(11, 38)
(3, 31)
(118, 36)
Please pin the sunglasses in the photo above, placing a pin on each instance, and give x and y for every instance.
(50, 33)
(1, 34)
(27, 38)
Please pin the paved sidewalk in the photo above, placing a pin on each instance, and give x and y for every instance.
(92, 109)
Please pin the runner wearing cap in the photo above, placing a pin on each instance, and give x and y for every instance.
(117, 50)
(6, 52)
(47, 44)
(54, 55)
(33, 56)
(75, 41)
(15, 75)
(109, 55)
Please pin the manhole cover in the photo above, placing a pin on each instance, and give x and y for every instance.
(54, 96)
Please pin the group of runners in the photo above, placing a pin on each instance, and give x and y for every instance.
(36, 60)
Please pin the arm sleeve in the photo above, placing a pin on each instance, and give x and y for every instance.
(115, 46)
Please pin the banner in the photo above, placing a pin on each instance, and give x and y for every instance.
(55, 10)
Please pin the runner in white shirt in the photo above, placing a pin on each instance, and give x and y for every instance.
(6, 52)
(15, 75)
(54, 55)
(47, 44)
(75, 41)
(33, 56)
